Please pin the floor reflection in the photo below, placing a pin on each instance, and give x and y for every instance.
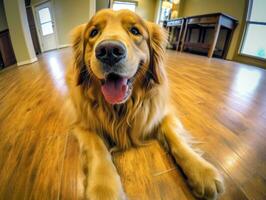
(57, 72)
(244, 88)
(246, 81)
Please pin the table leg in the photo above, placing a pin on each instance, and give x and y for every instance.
(214, 41)
(227, 43)
(183, 38)
(179, 38)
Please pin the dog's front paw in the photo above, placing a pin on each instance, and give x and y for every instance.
(205, 180)
(105, 192)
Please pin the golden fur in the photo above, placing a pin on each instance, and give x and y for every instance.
(101, 127)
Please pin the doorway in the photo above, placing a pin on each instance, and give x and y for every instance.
(46, 26)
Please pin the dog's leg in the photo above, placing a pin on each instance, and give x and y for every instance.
(202, 176)
(102, 181)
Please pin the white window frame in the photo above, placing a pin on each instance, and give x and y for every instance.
(248, 21)
(125, 2)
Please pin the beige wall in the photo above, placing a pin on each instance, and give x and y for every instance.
(3, 22)
(145, 8)
(102, 4)
(68, 14)
(235, 8)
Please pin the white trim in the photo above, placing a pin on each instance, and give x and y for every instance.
(55, 26)
(158, 12)
(63, 46)
(25, 62)
(92, 8)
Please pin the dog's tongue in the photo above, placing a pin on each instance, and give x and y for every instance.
(115, 90)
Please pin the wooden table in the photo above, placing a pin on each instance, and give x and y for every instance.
(175, 29)
(216, 21)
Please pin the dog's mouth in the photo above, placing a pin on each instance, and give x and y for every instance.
(116, 88)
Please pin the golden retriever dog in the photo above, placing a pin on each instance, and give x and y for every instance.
(118, 86)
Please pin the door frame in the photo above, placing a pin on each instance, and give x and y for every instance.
(37, 25)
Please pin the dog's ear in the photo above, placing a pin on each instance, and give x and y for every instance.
(157, 44)
(78, 36)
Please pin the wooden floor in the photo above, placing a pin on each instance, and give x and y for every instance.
(222, 104)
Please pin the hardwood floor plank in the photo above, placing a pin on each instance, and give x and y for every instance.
(150, 178)
(72, 179)
(33, 134)
(222, 104)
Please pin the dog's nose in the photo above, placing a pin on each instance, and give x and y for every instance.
(110, 52)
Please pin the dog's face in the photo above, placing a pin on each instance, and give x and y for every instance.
(120, 50)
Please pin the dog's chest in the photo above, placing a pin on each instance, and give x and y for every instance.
(125, 127)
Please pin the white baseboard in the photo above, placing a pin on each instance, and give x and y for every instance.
(63, 46)
(25, 62)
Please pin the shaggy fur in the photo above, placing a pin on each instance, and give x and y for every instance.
(101, 127)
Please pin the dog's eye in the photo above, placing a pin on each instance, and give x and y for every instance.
(135, 31)
(94, 32)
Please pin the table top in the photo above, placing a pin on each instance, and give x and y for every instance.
(212, 14)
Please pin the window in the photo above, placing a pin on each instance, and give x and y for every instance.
(119, 5)
(166, 10)
(46, 21)
(254, 42)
